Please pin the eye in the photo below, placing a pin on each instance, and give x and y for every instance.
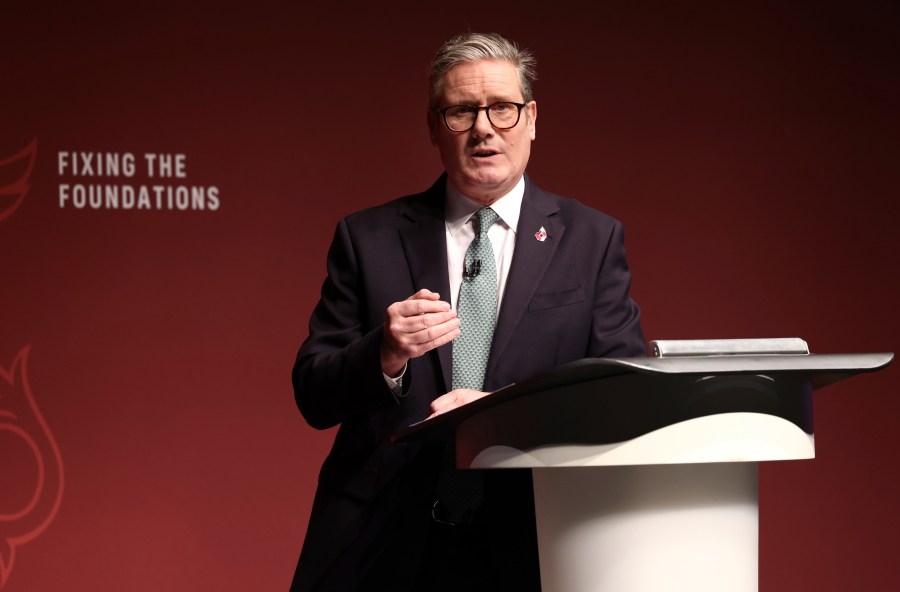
(460, 110)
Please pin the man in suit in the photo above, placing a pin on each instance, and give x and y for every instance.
(394, 339)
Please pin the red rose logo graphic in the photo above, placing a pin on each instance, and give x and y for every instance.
(31, 476)
(15, 174)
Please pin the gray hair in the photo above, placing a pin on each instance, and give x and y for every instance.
(474, 47)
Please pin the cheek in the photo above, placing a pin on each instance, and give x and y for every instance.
(518, 149)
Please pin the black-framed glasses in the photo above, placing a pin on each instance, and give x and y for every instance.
(502, 115)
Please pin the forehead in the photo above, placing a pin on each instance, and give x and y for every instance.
(485, 80)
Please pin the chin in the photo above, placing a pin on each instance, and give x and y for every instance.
(486, 179)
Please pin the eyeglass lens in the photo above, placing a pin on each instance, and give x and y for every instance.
(461, 118)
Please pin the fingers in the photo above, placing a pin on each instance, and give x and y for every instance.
(424, 294)
(454, 399)
(415, 326)
(412, 325)
(422, 302)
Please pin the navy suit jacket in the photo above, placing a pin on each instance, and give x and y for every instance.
(566, 298)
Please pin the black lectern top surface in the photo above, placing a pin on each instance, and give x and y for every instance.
(822, 369)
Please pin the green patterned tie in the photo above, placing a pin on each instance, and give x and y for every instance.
(477, 307)
(459, 491)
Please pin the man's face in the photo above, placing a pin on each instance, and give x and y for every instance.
(484, 163)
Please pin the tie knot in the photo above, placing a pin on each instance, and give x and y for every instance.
(484, 219)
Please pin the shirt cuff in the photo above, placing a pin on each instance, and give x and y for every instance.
(395, 383)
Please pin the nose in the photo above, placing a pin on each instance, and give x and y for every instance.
(482, 125)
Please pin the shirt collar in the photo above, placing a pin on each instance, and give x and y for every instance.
(460, 208)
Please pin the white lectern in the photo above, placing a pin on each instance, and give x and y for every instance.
(645, 469)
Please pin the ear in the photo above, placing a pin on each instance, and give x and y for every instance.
(432, 131)
(531, 115)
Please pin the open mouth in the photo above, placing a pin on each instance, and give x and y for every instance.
(484, 153)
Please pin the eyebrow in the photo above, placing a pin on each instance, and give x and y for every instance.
(490, 100)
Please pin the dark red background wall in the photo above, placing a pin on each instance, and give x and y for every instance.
(751, 150)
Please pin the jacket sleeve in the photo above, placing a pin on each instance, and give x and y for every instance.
(337, 374)
(616, 324)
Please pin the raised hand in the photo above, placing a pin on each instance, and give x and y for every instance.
(415, 326)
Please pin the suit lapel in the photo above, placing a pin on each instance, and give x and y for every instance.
(425, 246)
(530, 262)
